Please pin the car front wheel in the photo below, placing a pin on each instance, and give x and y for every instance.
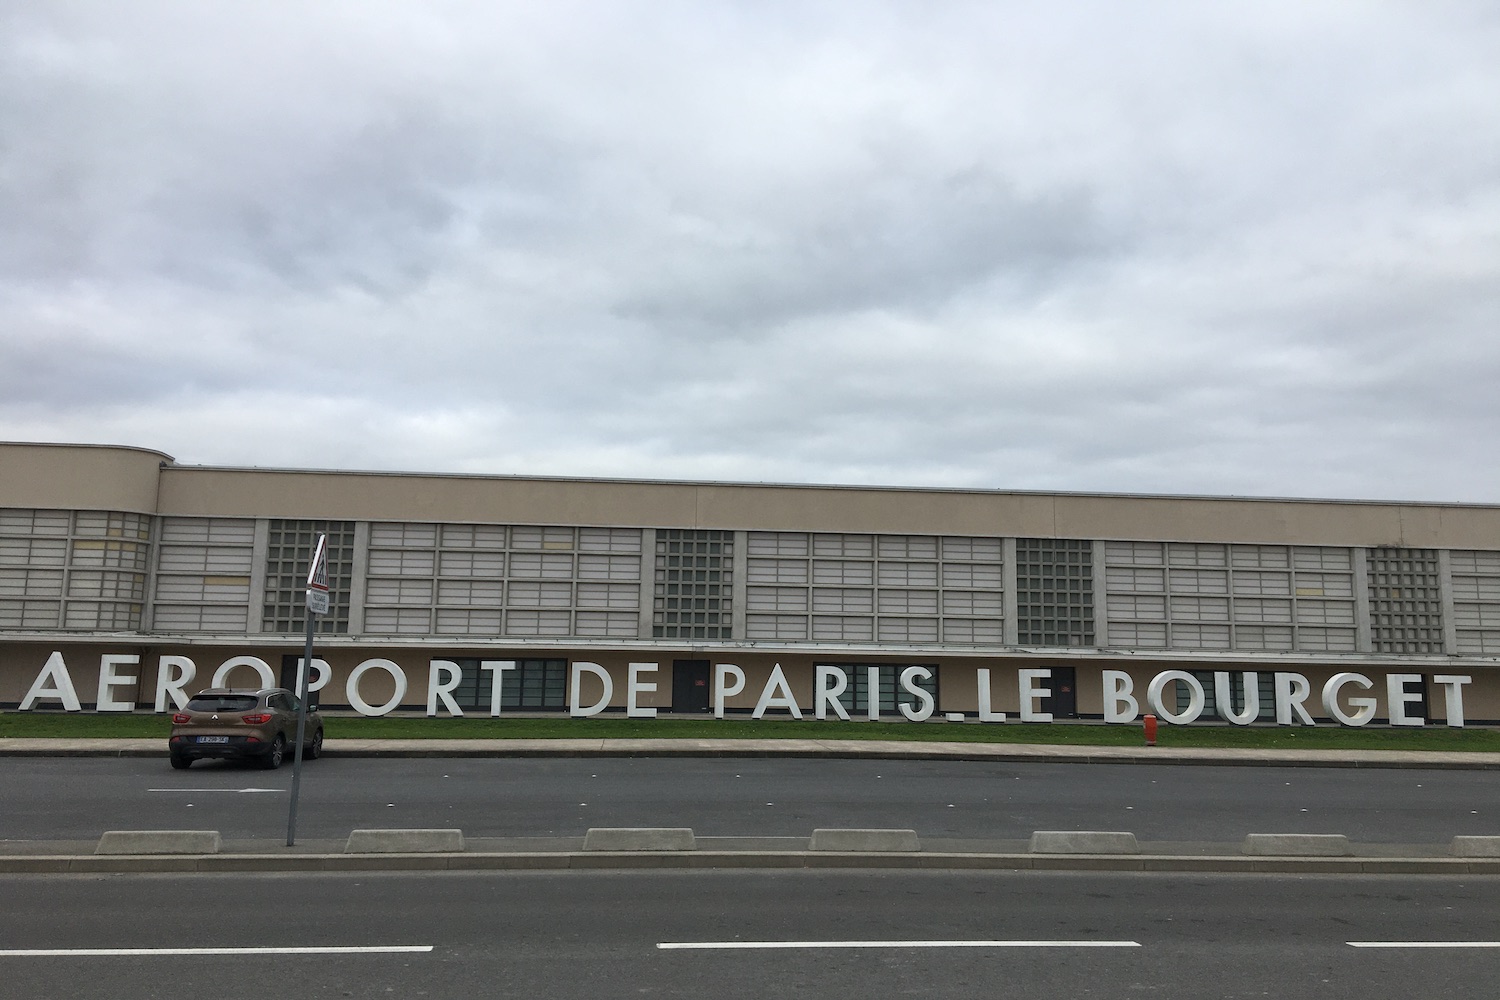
(272, 760)
(315, 749)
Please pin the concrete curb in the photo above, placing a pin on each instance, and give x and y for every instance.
(687, 860)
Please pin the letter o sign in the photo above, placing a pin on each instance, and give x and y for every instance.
(1195, 696)
(352, 688)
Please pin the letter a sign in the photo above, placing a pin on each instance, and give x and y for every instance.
(317, 579)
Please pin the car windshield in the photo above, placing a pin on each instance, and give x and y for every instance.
(221, 703)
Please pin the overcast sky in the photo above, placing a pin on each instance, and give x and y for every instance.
(1225, 248)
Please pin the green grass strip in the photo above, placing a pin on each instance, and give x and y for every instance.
(1329, 737)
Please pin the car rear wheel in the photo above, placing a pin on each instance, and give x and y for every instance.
(272, 760)
(315, 750)
(181, 763)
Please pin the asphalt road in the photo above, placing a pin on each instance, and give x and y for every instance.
(825, 934)
(79, 798)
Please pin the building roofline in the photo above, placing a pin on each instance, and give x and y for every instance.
(167, 460)
(870, 488)
(168, 463)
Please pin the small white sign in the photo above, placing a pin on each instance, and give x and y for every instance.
(317, 579)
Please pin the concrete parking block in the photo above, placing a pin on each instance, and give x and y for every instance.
(159, 842)
(865, 840)
(404, 842)
(1083, 842)
(1475, 847)
(606, 838)
(1297, 845)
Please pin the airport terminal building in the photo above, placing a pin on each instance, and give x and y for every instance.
(127, 579)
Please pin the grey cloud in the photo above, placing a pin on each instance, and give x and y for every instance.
(1247, 249)
(854, 249)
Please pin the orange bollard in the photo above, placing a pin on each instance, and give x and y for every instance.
(1150, 726)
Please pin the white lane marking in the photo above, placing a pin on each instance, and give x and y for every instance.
(112, 952)
(197, 791)
(1423, 944)
(756, 945)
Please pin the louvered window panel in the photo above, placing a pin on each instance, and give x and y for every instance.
(842, 629)
(853, 546)
(73, 569)
(963, 631)
(535, 594)
(831, 571)
(31, 583)
(972, 604)
(911, 602)
(776, 543)
(834, 600)
(616, 596)
(1200, 609)
(916, 574)
(1136, 607)
(973, 577)
(621, 540)
(538, 623)
(1194, 554)
(1475, 583)
(787, 627)
(776, 599)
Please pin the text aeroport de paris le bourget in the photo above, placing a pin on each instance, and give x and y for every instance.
(1292, 691)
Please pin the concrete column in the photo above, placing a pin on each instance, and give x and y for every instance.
(360, 573)
(153, 566)
(648, 580)
(255, 616)
(1009, 631)
(1445, 588)
(1363, 639)
(739, 591)
(1101, 596)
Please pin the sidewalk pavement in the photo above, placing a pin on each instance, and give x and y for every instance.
(866, 749)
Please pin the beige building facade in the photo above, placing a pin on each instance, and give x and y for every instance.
(128, 580)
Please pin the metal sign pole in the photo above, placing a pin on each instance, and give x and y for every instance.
(317, 603)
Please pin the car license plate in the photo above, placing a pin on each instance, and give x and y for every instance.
(213, 739)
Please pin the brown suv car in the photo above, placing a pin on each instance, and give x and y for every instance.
(229, 723)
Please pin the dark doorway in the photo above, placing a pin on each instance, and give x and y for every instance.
(289, 663)
(1063, 701)
(690, 686)
(1423, 708)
